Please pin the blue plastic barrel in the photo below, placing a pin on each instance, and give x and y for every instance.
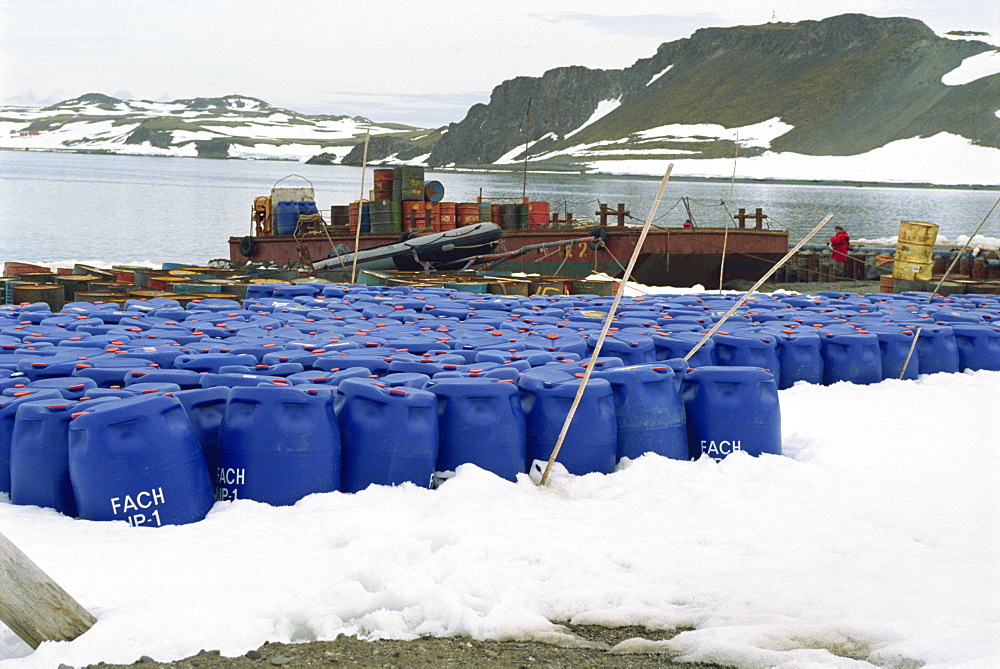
(139, 460)
(800, 358)
(108, 372)
(8, 414)
(39, 456)
(978, 346)
(678, 344)
(277, 445)
(591, 442)
(212, 362)
(205, 408)
(895, 343)
(938, 349)
(69, 387)
(747, 349)
(480, 421)
(855, 358)
(186, 379)
(286, 217)
(389, 435)
(731, 409)
(405, 380)
(631, 349)
(649, 413)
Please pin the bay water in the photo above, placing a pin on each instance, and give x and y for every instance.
(110, 209)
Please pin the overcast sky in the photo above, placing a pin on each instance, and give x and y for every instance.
(419, 62)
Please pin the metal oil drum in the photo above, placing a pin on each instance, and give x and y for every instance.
(914, 251)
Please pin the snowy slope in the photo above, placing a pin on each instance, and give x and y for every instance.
(253, 128)
(872, 542)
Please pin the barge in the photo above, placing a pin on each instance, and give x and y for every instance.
(532, 240)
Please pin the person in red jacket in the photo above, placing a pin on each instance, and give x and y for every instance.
(840, 243)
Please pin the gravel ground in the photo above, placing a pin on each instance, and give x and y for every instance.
(595, 648)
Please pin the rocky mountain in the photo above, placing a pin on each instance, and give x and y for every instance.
(842, 86)
(775, 95)
(233, 126)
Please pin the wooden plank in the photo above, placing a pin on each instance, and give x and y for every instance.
(33, 605)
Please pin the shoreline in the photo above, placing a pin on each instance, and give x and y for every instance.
(569, 171)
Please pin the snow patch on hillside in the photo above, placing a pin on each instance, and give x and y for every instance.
(943, 159)
(518, 151)
(604, 107)
(757, 134)
(660, 74)
(974, 67)
(97, 126)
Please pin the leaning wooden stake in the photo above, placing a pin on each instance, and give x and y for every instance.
(361, 206)
(607, 326)
(757, 285)
(33, 605)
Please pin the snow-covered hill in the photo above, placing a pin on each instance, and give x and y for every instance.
(233, 126)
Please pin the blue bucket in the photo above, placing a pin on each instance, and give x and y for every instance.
(277, 445)
(731, 409)
(138, 460)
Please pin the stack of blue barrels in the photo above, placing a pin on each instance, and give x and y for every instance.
(150, 413)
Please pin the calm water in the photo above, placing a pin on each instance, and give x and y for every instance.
(133, 210)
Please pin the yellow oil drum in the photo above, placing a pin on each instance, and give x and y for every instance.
(914, 251)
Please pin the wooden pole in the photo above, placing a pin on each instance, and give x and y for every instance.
(604, 330)
(757, 285)
(729, 199)
(361, 206)
(33, 605)
(527, 145)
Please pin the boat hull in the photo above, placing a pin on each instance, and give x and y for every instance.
(670, 256)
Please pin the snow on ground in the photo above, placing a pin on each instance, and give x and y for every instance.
(659, 74)
(977, 242)
(324, 130)
(512, 155)
(974, 67)
(604, 107)
(759, 134)
(944, 159)
(874, 541)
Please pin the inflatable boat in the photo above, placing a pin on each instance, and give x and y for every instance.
(440, 250)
